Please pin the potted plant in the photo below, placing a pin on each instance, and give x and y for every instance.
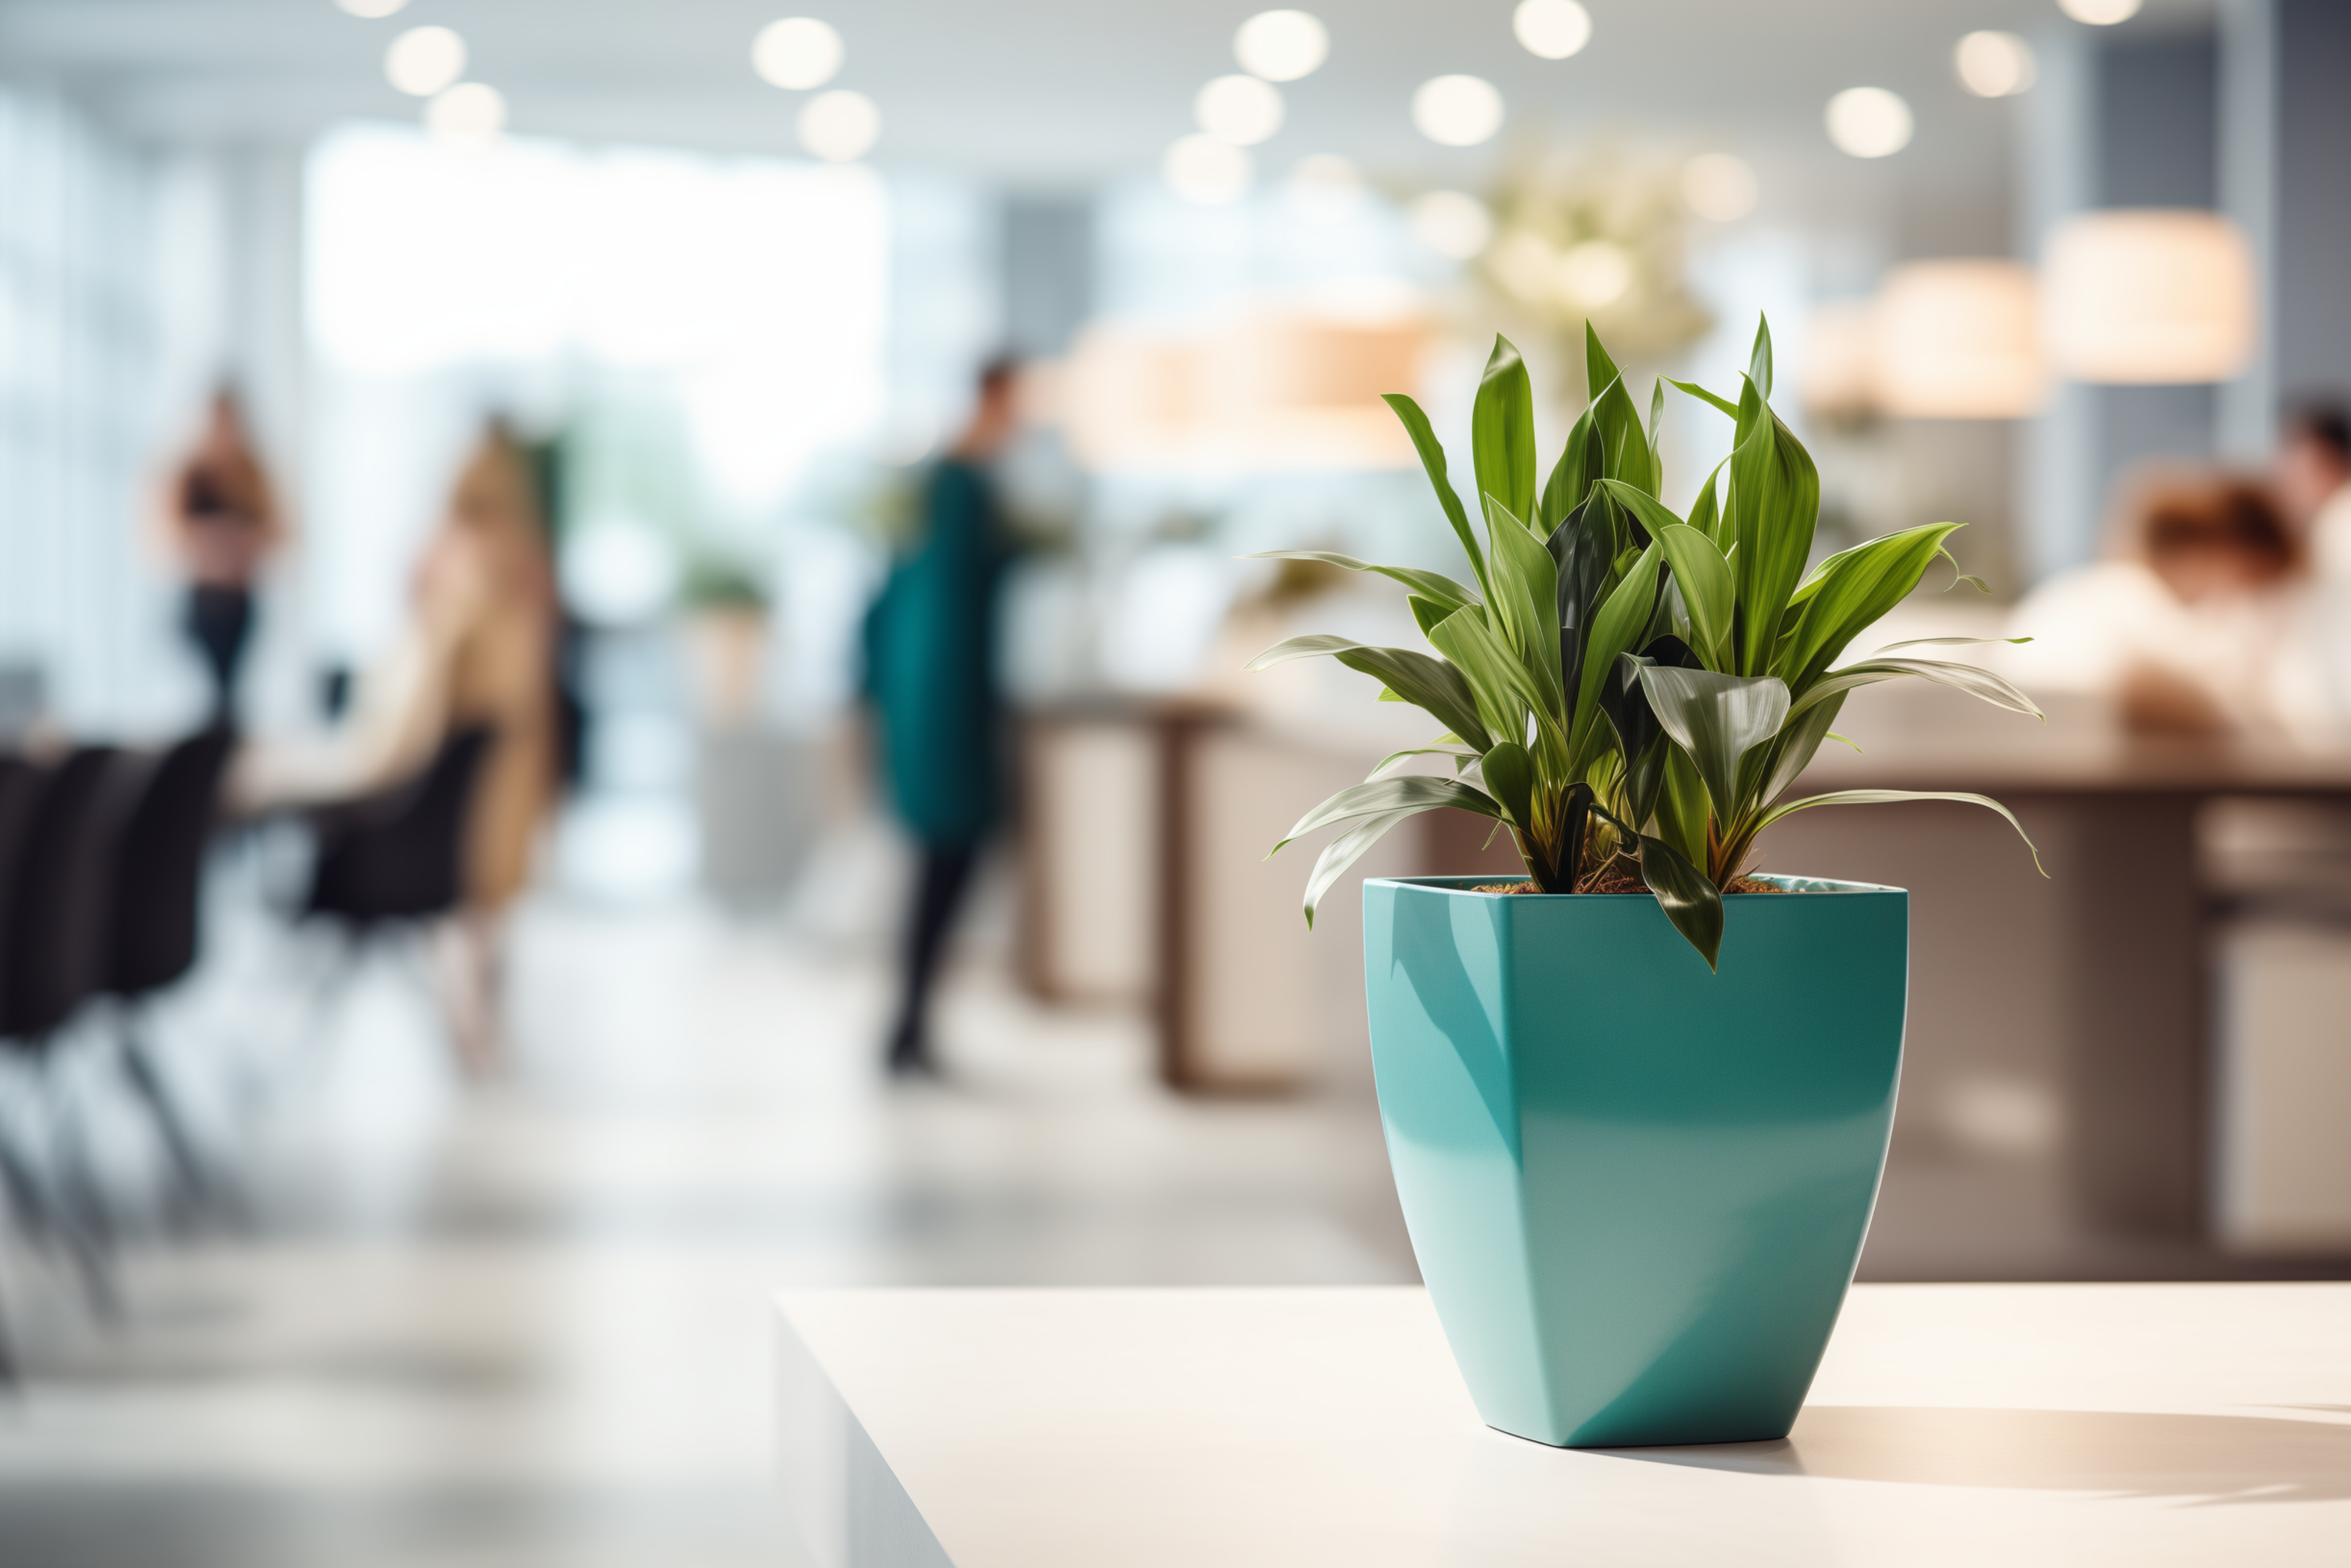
(1637, 1119)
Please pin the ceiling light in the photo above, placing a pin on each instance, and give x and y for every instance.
(1282, 46)
(1994, 64)
(1869, 122)
(1457, 111)
(840, 126)
(1242, 110)
(2100, 13)
(799, 52)
(1205, 170)
(1551, 28)
(424, 60)
(1718, 187)
(1325, 188)
(1596, 273)
(470, 114)
(1451, 222)
(371, 9)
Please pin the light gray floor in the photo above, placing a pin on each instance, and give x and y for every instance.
(524, 1325)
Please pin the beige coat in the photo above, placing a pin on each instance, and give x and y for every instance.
(478, 649)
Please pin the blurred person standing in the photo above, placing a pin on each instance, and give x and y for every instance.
(932, 678)
(478, 650)
(2313, 477)
(2197, 621)
(219, 522)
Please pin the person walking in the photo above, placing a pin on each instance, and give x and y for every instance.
(931, 677)
(220, 522)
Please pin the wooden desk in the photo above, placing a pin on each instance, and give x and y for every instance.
(2024, 1424)
(2127, 931)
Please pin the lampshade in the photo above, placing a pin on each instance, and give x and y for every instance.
(1270, 389)
(1837, 379)
(1956, 340)
(2148, 296)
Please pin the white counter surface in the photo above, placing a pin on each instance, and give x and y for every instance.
(1950, 1424)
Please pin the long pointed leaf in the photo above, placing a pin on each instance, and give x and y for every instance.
(1616, 628)
(1413, 791)
(1504, 688)
(1717, 719)
(1972, 679)
(1526, 597)
(1430, 685)
(1572, 476)
(1433, 585)
(1346, 850)
(1696, 390)
(1758, 361)
(1502, 431)
(1692, 903)
(1889, 796)
(1432, 458)
(1510, 774)
(1848, 593)
(1775, 502)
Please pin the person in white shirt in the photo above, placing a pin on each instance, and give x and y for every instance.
(2313, 477)
(2196, 623)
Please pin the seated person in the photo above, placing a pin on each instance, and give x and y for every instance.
(2197, 623)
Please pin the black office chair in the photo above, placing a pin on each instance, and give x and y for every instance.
(391, 865)
(157, 903)
(22, 785)
(400, 856)
(59, 910)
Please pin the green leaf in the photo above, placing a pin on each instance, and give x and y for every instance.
(1887, 797)
(1599, 369)
(1432, 458)
(1969, 678)
(1617, 629)
(1504, 689)
(1510, 774)
(1433, 585)
(1699, 392)
(1460, 753)
(1428, 613)
(1717, 719)
(1623, 444)
(1775, 500)
(1346, 850)
(1682, 807)
(1850, 592)
(1792, 749)
(1409, 791)
(1431, 684)
(1703, 514)
(1572, 476)
(1758, 361)
(1946, 643)
(1502, 431)
(1692, 903)
(1526, 599)
(1708, 592)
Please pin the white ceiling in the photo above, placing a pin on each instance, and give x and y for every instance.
(1038, 91)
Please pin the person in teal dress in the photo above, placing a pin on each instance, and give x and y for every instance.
(931, 675)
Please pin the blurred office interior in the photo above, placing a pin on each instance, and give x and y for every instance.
(450, 917)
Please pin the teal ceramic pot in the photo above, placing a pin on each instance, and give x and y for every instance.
(1636, 1189)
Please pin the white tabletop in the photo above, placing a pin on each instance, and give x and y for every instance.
(1950, 1424)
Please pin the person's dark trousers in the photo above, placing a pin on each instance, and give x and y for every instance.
(219, 621)
(940, 882)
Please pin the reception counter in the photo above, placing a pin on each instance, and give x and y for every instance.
(1950, 1424)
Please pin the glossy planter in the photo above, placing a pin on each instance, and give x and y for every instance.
(1636, 1189)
